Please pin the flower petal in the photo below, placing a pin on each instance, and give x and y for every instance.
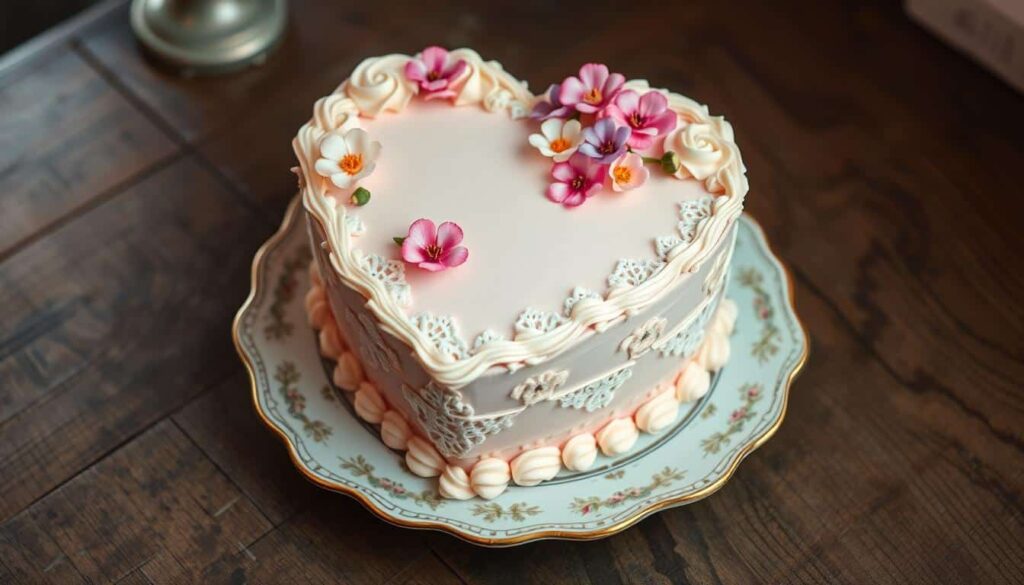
(333, 146)
(540, 143)
(551, 129)
(455, 256)
(342, 180)
(563, 172)
(357, 140)
(416, 70)
(432, 266)
(572, 91)
(326, 167)
(651, 104)
(435, 58)
(628, 101)
(574, 199)
(422, 232)
(594, 75)
(558, 192)
(572, 130)
(412, 252)
(449, 235)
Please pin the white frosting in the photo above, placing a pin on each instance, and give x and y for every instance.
(454, 484)
(536, 465)
(490, 478)
(579, 452)
(369, 404)
(331, 345)
(336, 112)
(394, 430)
(714, 352)
(693, 382)
(378, 84)
(423, 459)
(617, 437)
(347, 372)
(725, 317)
(487, 83)
(658, 413)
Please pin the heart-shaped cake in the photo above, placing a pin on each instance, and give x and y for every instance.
(515, 285)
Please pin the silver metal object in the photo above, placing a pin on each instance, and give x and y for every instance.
(209, 37)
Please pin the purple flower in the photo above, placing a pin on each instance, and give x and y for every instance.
(553, 107)
(604, 141)
(594, 89)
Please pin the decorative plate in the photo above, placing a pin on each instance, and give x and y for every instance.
(331, 447)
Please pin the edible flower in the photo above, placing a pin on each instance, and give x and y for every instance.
(594, 89)
(435, 72)
(347, 156)
(552, 107)
(558, 139)
(434, 248)
(575, 180)
(605, 141)
(628, 172)
(647, 116)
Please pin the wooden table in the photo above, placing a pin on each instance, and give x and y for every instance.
(884, 166)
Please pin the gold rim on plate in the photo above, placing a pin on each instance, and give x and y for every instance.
(257, 269)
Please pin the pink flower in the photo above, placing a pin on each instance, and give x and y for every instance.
(628, 172)
(648, 116)
(434, 72)
(738, 414)
(753, 392)
(434, 248)
(575, 180)
(594, 89)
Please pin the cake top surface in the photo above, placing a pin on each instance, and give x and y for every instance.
(569, 217)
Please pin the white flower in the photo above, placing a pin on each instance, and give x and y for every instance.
(347, 156)
(558, 139)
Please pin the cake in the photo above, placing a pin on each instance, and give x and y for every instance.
(509, 286)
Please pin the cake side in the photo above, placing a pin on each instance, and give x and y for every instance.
(620, 355)
(637, 282)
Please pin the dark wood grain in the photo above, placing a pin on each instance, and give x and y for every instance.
(883, 167)
(57, 154)
(88, 314)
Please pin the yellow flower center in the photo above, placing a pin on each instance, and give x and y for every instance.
(351, 163)
(622, 174)
(559, 144)
(593, 96)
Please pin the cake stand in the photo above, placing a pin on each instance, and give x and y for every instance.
(331, 447)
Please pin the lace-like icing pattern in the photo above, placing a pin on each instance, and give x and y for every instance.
(629, 273)
(692, 213)
(441, 332)
(578, 294)
(534, 322)
(449, 422)
(664, 244)
(375, 351)
(355, 225)
(685, 343)
(597, 394)
(485, 338)
(390, 273)
(539, 388)
(640, 341)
